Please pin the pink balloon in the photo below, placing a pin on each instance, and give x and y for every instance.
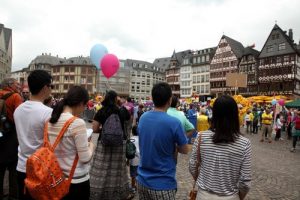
(109, 65)
(281, 102)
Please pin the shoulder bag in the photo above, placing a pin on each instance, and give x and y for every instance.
(193, 192)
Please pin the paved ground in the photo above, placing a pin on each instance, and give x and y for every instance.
(276, 171)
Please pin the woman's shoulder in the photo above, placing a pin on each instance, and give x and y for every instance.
(243, 140)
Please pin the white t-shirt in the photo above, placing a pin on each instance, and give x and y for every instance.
(30, 118)
(135, 161)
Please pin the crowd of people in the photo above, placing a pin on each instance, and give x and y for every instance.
(220, 160)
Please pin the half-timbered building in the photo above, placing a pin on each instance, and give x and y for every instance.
(173, 72)
(249, 65)
(279, 64)
(226, 60)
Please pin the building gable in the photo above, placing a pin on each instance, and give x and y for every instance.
(227, 44)
(278, 43)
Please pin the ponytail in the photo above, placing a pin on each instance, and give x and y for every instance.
(57, 110)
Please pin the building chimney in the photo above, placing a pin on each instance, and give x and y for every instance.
(291, 34)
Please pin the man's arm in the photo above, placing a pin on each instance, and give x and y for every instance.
(183, 149)
(190, 133)
(96, 126)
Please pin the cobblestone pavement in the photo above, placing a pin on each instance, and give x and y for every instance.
(276, 171)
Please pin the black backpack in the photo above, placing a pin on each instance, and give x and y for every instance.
(112, 132)
(6, 126)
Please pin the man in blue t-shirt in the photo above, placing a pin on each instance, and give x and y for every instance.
(159, 136)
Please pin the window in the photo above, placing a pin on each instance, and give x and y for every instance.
(278, 59)
(83, 80)
(194, 60)
(202, 78)
(281, 46)
(286, 59)
(273, 37)
(90, 79)
(270, 48)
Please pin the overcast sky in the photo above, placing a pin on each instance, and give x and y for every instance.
(139, 29)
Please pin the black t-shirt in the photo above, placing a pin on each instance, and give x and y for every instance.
(102, 115)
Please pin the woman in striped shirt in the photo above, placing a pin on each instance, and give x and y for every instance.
(225, 155)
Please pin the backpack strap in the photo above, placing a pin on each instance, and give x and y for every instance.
(4, 97)
(7, 95)
(59, 136)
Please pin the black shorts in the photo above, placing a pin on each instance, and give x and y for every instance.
(133, 171)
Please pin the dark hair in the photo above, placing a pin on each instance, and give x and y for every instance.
(129, 99)
(75, 96)
(135, 131)
(110, 98)
(48, 100)
(37, 80)
(174, 101)
(161, 94)
(225, 120)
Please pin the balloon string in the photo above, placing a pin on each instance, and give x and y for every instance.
(108, 85)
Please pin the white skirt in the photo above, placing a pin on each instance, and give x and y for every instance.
(204, 195)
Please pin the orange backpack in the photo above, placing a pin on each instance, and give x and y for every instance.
(44, 177)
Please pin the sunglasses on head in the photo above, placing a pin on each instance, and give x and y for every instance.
(50, 86)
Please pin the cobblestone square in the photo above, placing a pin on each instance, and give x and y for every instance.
(275, 171)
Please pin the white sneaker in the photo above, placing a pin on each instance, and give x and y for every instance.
(293, 150)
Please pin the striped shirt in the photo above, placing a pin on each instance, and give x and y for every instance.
(225, 169)
(74, 141)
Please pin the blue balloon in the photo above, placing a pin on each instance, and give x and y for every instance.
(97, 52)
(273, 102)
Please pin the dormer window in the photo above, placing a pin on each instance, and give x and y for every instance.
(281, 46)
(270, 48)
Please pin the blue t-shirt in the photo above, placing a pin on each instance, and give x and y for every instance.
(158, 135)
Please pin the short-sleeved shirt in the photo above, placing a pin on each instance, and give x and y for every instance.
(30, 118)
(265, 119)
(159, 133)
(187, 125)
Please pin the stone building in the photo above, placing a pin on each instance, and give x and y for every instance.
(119, 82)
(73, 71)
(5, 51)
(194, 73)
(143, 75)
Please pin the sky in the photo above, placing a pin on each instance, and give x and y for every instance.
(139, 29)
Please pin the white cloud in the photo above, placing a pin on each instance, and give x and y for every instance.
(139, 29)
